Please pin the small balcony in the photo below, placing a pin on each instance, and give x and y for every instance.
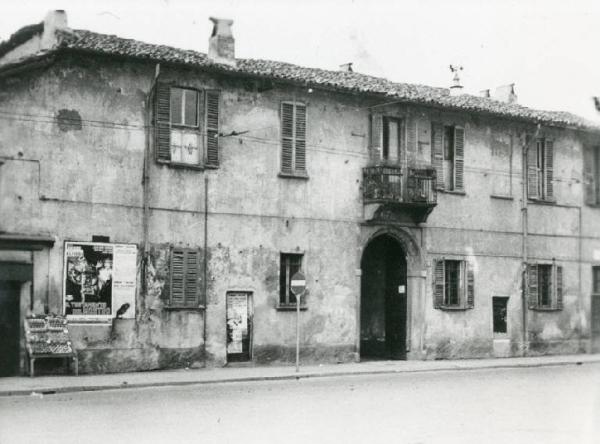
(400, 193)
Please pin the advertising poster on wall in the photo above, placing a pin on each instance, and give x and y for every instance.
(99, 280)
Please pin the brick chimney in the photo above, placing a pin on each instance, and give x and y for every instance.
(506, 93)
(54, 21)
(221, 44)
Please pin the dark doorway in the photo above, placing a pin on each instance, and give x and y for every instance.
(383, 300)
(9, 327)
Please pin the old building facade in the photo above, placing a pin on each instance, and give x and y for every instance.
(429, 225)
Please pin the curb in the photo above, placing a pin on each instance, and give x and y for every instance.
(455, 367)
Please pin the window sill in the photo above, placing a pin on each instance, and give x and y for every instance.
(184, 165)
(448, 308)
(457, 192)
(183, 308)
(541, 201)
(501, 197)
(298, 175)
(545, 309)
(290, 307)
(593, 205)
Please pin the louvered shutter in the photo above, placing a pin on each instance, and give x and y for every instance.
(300, 138)
(559, 287)
(411, 140)
(287, 137)
(532, 285)
(459, 158)
(212, 127)
(470, 285)
(438, 283)
(588, 176)
(177, 276)
(549, 168)
(376, 137)
(162, 121)
(191, 278)
(437, 152)
(532, 172)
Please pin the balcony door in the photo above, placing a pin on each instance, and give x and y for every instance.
(392, 140)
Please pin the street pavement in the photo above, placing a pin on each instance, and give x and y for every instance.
(548, 404)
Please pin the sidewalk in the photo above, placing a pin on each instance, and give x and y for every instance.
(14, 386)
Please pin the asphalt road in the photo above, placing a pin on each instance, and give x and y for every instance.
(533, 405)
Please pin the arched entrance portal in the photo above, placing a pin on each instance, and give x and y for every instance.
(383, 306)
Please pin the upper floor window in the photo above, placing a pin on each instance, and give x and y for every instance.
(591, 175)
(186, 125)
(540, 161)
(545, 286)
(293, 138)
(453, 284)
(184, 107)
(448, 152)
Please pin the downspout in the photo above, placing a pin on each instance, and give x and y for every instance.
(146, 180)
(205, 267)
(525, 225)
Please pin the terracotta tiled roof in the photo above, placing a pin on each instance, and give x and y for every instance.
(338, 80)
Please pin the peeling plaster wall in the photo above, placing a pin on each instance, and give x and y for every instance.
(75, 180)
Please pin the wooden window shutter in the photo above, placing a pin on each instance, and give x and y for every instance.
(549, 167)
(177, 276)
(300, 136)
(559, 287)
(162, 121)
(212, 127)
(532, 172)
(470, 273)
(459, 158)
(588, 176)
(375, 137)
(532, 285)
(438, 283)
(437, 152)
(192, 270)
(287, 137)
(185, 277)
(411, 140)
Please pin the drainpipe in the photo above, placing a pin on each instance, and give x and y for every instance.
(205, 267)
(146, 178)
(525, 222)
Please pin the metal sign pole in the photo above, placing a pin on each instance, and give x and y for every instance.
(298, 332)
(298, 288)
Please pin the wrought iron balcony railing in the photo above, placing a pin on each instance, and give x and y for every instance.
(387, 184)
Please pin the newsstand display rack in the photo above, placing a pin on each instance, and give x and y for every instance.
(48, 337)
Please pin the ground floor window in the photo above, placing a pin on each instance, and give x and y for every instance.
(544, 286)
(290, 264)
(453, 284)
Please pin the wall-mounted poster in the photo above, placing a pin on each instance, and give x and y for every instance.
(99, 280)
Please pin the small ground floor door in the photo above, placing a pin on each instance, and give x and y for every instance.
(239, 326)
(595, 323)
(9, 327)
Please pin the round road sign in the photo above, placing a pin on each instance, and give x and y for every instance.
(298, 284)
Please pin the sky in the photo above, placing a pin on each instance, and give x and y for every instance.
(549, 48)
